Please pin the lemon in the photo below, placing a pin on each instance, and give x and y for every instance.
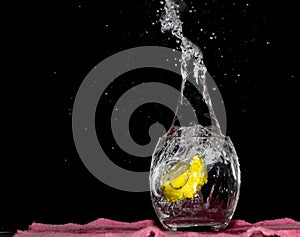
(184, 179)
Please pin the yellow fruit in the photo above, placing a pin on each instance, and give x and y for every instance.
(184, 179)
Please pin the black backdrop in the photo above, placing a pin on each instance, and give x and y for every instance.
(51, 46)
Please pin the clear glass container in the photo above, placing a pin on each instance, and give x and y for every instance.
(194, 179)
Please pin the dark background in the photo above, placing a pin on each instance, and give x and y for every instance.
(51, 46)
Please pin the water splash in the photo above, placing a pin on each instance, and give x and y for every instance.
(192, 64)
(212, 202)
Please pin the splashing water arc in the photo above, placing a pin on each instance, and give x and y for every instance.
(191, 57)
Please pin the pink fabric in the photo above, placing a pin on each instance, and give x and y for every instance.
(284, 227)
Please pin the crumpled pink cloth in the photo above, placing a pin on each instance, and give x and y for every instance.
(284, 227)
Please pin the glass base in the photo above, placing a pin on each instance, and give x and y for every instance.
(193, 224)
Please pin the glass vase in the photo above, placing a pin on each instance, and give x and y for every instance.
(194, 179)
